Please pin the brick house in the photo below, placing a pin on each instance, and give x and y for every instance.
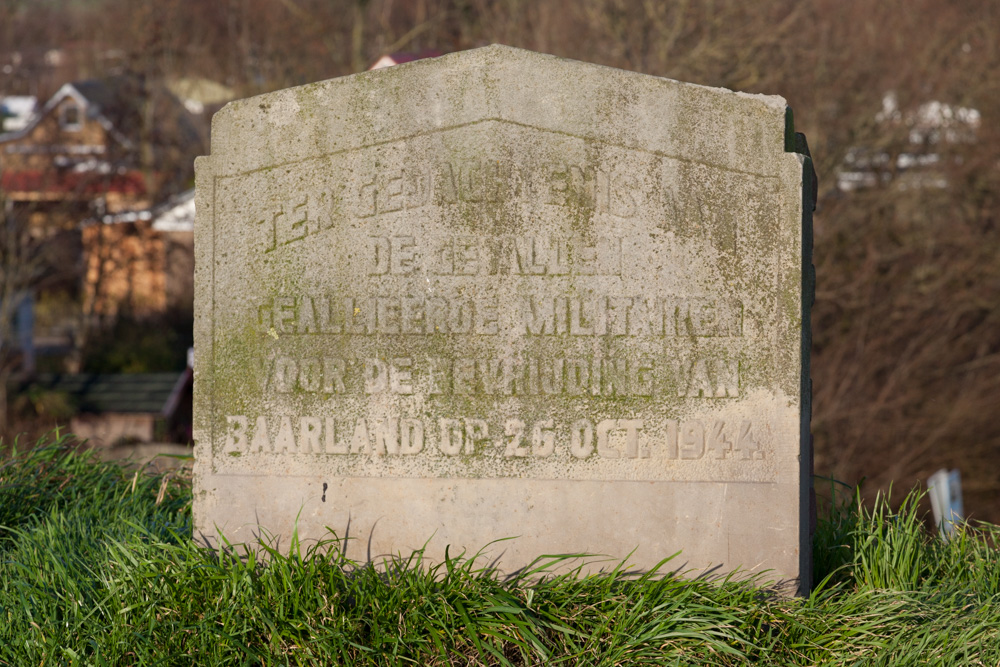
(100, 146)
(102, 149)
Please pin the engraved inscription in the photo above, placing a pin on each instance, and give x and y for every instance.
(297, 218)
(529, 315)
(675, 195)
(580, 440)
(466, 183)
(645, 376)
(480, 182)
(467, 255)
(576, 307)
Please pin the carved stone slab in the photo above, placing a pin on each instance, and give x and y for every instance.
(500, 294)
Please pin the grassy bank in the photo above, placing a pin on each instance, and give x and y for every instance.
(97, 567)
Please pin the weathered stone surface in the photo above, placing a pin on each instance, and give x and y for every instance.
(502, 294)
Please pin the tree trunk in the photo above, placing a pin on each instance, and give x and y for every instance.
(4, 379)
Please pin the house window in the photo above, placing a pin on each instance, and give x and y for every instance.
(70, 117)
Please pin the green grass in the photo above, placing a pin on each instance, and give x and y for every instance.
(97, 567)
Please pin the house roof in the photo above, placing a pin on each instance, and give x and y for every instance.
(16, 111)
(196, 93)
(120, 104)
(400, 57)
(174, 215)
(156, 393)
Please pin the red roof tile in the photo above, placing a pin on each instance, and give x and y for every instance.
(76, 183)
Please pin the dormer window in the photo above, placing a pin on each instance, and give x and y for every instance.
(70, 117)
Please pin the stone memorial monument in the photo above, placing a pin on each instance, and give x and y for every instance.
(502, 294)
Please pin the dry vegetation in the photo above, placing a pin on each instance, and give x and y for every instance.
(907, 329)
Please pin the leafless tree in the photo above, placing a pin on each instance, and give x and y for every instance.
(25, 265)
